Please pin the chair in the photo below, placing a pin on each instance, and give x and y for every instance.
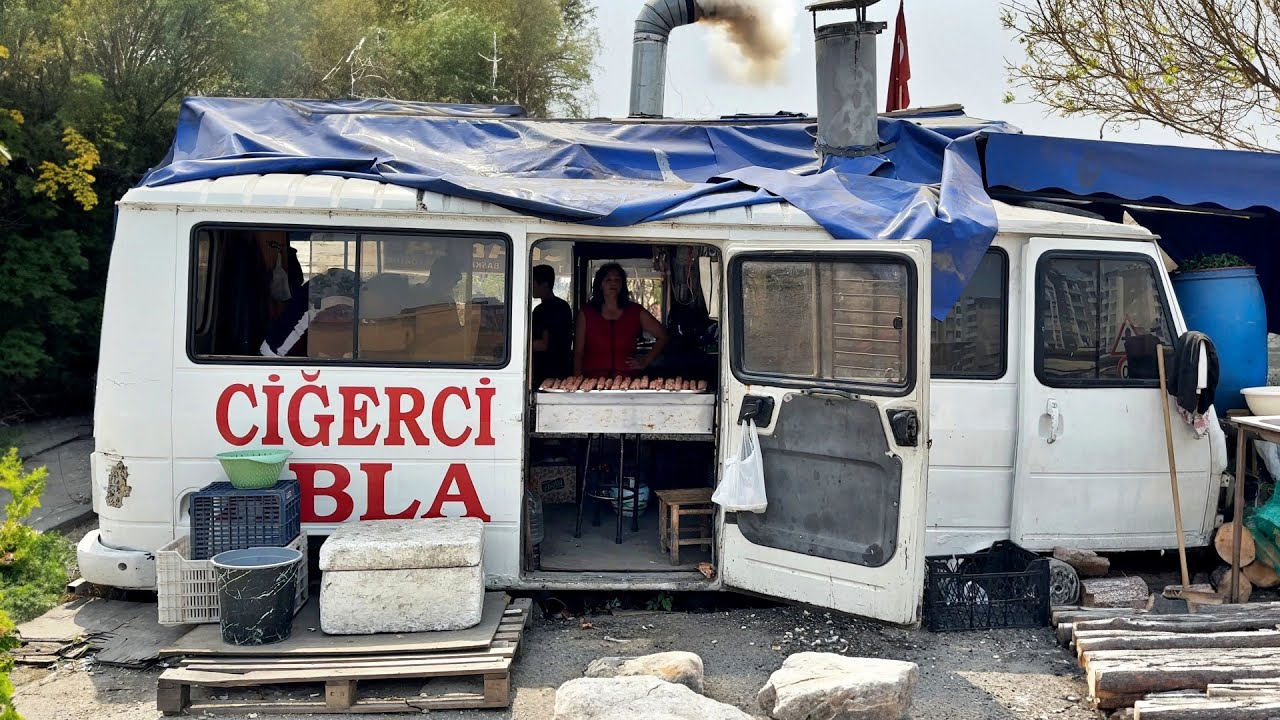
(675, 504)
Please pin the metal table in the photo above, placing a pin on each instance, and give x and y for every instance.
(1265, 428)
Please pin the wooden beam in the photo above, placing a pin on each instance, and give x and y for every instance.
(1116, 674)
(1207, 709)
(1126, 640)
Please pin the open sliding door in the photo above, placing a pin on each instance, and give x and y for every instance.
(828, 351)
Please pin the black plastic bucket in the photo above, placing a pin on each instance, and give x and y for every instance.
(257, 594)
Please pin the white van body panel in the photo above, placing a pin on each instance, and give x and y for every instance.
(155, 435)
(133, 410)
(1107, 451)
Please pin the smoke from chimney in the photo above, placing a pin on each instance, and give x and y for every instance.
(750, 38)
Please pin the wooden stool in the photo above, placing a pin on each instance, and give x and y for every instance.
(672, 505)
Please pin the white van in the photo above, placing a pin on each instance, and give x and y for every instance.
(887, 435)
(1031, 412)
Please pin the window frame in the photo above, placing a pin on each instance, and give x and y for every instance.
(1004, 328)
(360, 232)
(737, 320)
(1038, 332)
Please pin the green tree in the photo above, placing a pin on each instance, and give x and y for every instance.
(442, 51)
(33, 565)
(90, 91)
(45, 174)
(1201, 67)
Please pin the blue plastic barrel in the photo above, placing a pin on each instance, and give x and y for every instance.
(1227, 305)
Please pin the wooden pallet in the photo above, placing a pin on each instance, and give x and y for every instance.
(341, 675)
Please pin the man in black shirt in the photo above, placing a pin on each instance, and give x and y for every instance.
(552, 329)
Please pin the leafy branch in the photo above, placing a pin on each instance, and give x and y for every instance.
(1200, 67)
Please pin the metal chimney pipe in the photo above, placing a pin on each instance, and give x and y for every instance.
(846, 72)
(649, 51)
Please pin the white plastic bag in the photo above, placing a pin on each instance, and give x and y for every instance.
(741, 486)
(1270, 453)
(280, 291)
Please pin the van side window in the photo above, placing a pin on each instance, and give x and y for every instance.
(847, 320)
(972, 341)
(1100, 318)
(274, 295)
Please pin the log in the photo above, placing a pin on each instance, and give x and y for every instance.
(1221, 581)
(1064, 632)
(1086, 562)
(1261, 574)
(1207, 709)
(1218, 618)
(1092, 641)
(1183, 623)
(1060, 615)
(1125, 592)
(1247, 616)
(1114, 676)
(1222, 692)
(1251, 608)
(1222, 543)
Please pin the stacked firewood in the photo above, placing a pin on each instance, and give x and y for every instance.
(1220, 663)
(577, 383)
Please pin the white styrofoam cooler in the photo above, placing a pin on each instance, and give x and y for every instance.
(402, 576)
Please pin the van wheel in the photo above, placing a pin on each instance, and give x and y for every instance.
(1064, 583)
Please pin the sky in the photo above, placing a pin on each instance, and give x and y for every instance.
(958, 55)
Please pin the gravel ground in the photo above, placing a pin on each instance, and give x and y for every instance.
(997, 675)
(1002, 675)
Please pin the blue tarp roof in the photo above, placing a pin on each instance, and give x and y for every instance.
(1183, 176)
(927, 185)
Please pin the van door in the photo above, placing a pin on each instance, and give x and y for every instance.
(828, 352)
(1092, 467)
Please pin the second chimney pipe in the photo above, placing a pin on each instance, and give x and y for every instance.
(846, 71)
(649, 52)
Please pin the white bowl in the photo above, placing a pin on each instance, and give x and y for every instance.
(1263, 401)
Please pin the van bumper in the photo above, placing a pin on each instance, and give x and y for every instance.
(112, 567)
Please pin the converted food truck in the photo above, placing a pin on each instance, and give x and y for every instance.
(910, 399)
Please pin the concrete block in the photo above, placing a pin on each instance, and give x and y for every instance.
(363, 602)
(401, 544)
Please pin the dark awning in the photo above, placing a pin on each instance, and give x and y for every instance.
(1145, 174)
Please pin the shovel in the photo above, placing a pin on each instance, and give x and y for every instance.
(1173, 592)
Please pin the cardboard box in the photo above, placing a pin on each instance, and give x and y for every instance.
(556, 484)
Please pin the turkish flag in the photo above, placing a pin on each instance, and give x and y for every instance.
(899, 66)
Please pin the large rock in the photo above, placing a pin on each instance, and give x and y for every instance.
(684, 668)
(640, 696)
(823, 686)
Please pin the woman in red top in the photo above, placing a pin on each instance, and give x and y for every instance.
(609, 328)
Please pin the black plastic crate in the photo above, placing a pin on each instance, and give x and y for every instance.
(224, 518)
(1004, 586)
